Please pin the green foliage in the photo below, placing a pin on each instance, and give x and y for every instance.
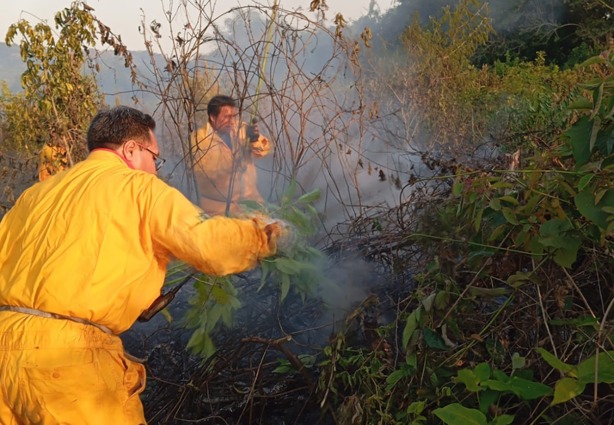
(457, 414)
(362, 377)
(447, 87)
(215, 302)
(465, 105)
(296, 267)
(595, 370)
(591, 142)
(15, 123)
(522, 259)
(546, 211)
(531, 100)
(547, 216)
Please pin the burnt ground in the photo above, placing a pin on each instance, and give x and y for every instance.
(239, 384)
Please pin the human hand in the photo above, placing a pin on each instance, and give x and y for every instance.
(252, 132)
(280, 235)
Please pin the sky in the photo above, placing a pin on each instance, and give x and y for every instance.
(124, 16)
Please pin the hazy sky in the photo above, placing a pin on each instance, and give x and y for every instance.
(124, 16)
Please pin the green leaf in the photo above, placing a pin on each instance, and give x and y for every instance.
(457, 188)
(469, 378)
(289, 194)
(284, 368)
(584, 181)
(581, 103)
(457, 414)
(433, 340)
(220, 295)
(566, 389)
(567, 256)
(309, 197)
(395, 377)
(500, 375)
(167, 315)
(427, 302)
(557, 233)
(518, 362)
(410, 326)
(520, 278)
(579, 136)
(287, 265)
(503, 420)
(594, 133)
(553, 233)
(251, 204)
(477, 222)
(585, 202)
(509, 199)
(196, 340)
(482, 371)
(593, 60)
(416, 407)
(579, 321)
(554, 361)
(487, 399)
(605, 369)
(488, 292)
(442, 299)
(497, 232)
(264, 270)
(510, 216)
(523, 388)
(285, 286)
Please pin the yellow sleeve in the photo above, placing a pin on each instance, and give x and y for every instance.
(216, 246)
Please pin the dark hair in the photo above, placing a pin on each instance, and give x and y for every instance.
(216, 104)
(113, 127)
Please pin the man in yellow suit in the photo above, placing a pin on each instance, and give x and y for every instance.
(82, 255)
(224, 152)
(53, 159)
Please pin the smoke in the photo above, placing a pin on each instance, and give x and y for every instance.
(333, 127)
(307, 87)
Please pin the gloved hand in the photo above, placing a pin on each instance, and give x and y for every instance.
(252, 132)
(280, 235)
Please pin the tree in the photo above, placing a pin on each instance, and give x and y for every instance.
(59, 98)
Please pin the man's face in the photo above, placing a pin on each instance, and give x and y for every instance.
(146, 155)
(226, 121)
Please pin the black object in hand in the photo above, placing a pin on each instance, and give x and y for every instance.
(252, 131)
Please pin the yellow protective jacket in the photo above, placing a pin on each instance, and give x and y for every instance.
(94, 241)
(53, 159)
(226, 173)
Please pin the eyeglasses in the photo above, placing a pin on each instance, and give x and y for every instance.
(158, 161)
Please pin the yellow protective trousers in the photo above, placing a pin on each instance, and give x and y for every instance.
(55, 371)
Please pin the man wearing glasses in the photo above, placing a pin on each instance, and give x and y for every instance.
(82, 255)
(158, 161)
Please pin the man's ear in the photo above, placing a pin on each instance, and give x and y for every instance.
(129, 148)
